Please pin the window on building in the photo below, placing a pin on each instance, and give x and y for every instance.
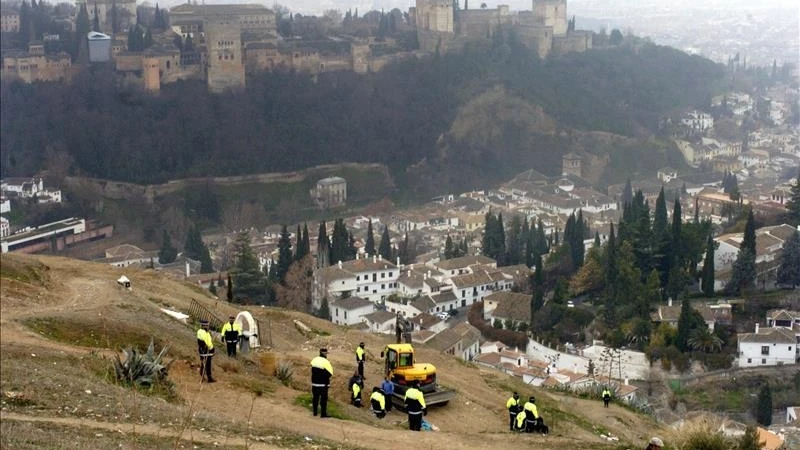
(763, 361)
(749, 360)
(337, 312)
(765, 349)
(383, 275)
(345, 314)
(383, 286)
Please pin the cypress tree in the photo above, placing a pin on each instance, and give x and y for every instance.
(596, 239)
(743, 273)
(298, 251)
(789, 270)
(749, 239)
(500, 240)
(369, 247)
(793, 205)
(764, 406)
(82, 25)
(627, 194)
(323, 246)
(230, 288)
(96, 19)
(385, 247)
(448, 248)
(677, 247)
(167, 253)
(708, 268)
(114, 17)
(684, 326)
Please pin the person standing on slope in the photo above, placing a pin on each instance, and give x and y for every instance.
(321, 373)
(606, 397)
(415, 405)
(231, 332)
(388, 391)
(531, 415)
(513, 406)
(360, 354)
(205, 347)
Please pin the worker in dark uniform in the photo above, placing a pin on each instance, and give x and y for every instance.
(360, 354)
(531, 415)
(321, 373)
(513, 406)
(378, 402)
(606, 397)
(356, 385)
(231, 333)
(205, 347)
(415, 406)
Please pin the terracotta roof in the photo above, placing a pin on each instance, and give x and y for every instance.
(491, 359)
(783, 314)
(514, 271)
(769, 336)
(513, 306)
(351, 303)
(469, 280)
(448, 338)
(769, 440)
(422, 336)
(671, 313)
(380, 316)
(464, 261)
(414, 280)
(423, 303)
(443, 297)
(367, 264)
(426, 320)
(333, 273)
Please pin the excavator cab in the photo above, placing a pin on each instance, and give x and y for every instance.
(402, 370)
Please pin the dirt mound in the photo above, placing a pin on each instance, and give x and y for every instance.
(56, 357)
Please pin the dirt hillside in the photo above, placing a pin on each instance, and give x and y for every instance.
(62, 322)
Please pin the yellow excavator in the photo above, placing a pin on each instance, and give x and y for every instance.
(403, 371)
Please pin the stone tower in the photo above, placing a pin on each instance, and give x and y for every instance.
(571, 164)
(151, 74)
(551, 13)
(435, 23)
(225, 62)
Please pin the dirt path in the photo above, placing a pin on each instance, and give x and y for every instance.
(128, 429)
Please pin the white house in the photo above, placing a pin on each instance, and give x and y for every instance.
(767, 347)
(372, 278)
(428, 322)
(698, 120)
(380, 321)
(5, 227)
(507, 307)
(461, 341)
(5, 205)
(350, 310)
(667, 174)
(792, 413)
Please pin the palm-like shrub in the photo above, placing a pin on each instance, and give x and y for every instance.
(142, 369)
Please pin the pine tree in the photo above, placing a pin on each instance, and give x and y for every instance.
(743, 273)
(369, 246)
(196, 249)
(789, 270)
(448, 248)
(764, 406)
(385, 247)
(247, 276)
(708, 268)
(652, 294)
(284, 253)
(167, 254)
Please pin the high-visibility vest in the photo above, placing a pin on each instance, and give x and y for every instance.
(512, 405)
(356, 390)
(230, 332)
(359, 354)
(378, 398)
(321, 372)
(415, 401)
(204, 342)
(532, 408)
(519, 420)
(606, 393)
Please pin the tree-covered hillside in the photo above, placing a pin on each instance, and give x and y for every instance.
(287, 121)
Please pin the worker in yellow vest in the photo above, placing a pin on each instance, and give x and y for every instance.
(606, 397)
(378, 402)
(415, 406)
(356, 386)
(513, 406)
(360, 354)
(231, 333)
(321, 373)
(205, 347)
(531, 415)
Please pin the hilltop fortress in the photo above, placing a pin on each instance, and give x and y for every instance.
(545, 29)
